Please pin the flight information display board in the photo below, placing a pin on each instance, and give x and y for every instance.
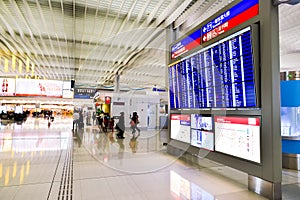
(218, 76)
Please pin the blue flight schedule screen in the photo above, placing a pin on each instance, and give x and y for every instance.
(218, 76)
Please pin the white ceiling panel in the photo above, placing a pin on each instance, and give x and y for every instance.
(93, 40)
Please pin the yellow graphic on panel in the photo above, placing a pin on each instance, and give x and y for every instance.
(14, 170)
(6, 181)
(1, 170)
(22, 174)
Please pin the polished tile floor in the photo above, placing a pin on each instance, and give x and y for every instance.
(37, 163)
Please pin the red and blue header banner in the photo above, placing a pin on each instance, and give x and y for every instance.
(229, 19)
(186, 44)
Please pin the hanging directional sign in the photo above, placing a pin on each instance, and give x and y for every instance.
(188, 43)
(229, 19)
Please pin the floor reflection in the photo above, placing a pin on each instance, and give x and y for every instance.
(181, 188)
(98, 163)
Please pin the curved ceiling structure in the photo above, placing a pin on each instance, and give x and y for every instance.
(92, 41)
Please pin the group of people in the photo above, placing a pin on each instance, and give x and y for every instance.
(104, 122)
(134, 121)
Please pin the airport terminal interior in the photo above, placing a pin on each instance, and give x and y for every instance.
(74, 74)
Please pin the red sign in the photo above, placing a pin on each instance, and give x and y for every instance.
(254, 121)
(233, 22)
(107, 100)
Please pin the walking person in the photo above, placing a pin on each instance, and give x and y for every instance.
(80, 120)
(75, 120)
(94, 118)
(112, 124)
(105, 122)
(100, 121)
(133, 124)
(120, 126)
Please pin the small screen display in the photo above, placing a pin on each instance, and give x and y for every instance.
(202, 122)
(238, 136)
(181, 127)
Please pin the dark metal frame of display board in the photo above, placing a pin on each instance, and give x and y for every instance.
(263, 178)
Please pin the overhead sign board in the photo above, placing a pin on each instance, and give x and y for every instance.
(229, 19)
(186, 44)
(84, 93)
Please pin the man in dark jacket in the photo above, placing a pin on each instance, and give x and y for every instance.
(120, 126)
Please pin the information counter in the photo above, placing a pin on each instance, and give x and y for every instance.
(291, 152)
(290, 121)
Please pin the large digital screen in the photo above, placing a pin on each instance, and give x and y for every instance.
(238, 136)
(181, 127)
(218, 76)
(8, 87)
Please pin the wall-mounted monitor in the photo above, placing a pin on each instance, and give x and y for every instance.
(221, 75)
(202, 139)
(238, 136)
(181, 127)
(202, 122)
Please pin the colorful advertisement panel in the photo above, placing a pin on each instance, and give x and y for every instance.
(43, 88)
(8, 87)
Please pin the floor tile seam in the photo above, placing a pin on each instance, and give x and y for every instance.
(290, 175)
(289, 184)
(28, 184)
(220, 195)
(115, 176)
